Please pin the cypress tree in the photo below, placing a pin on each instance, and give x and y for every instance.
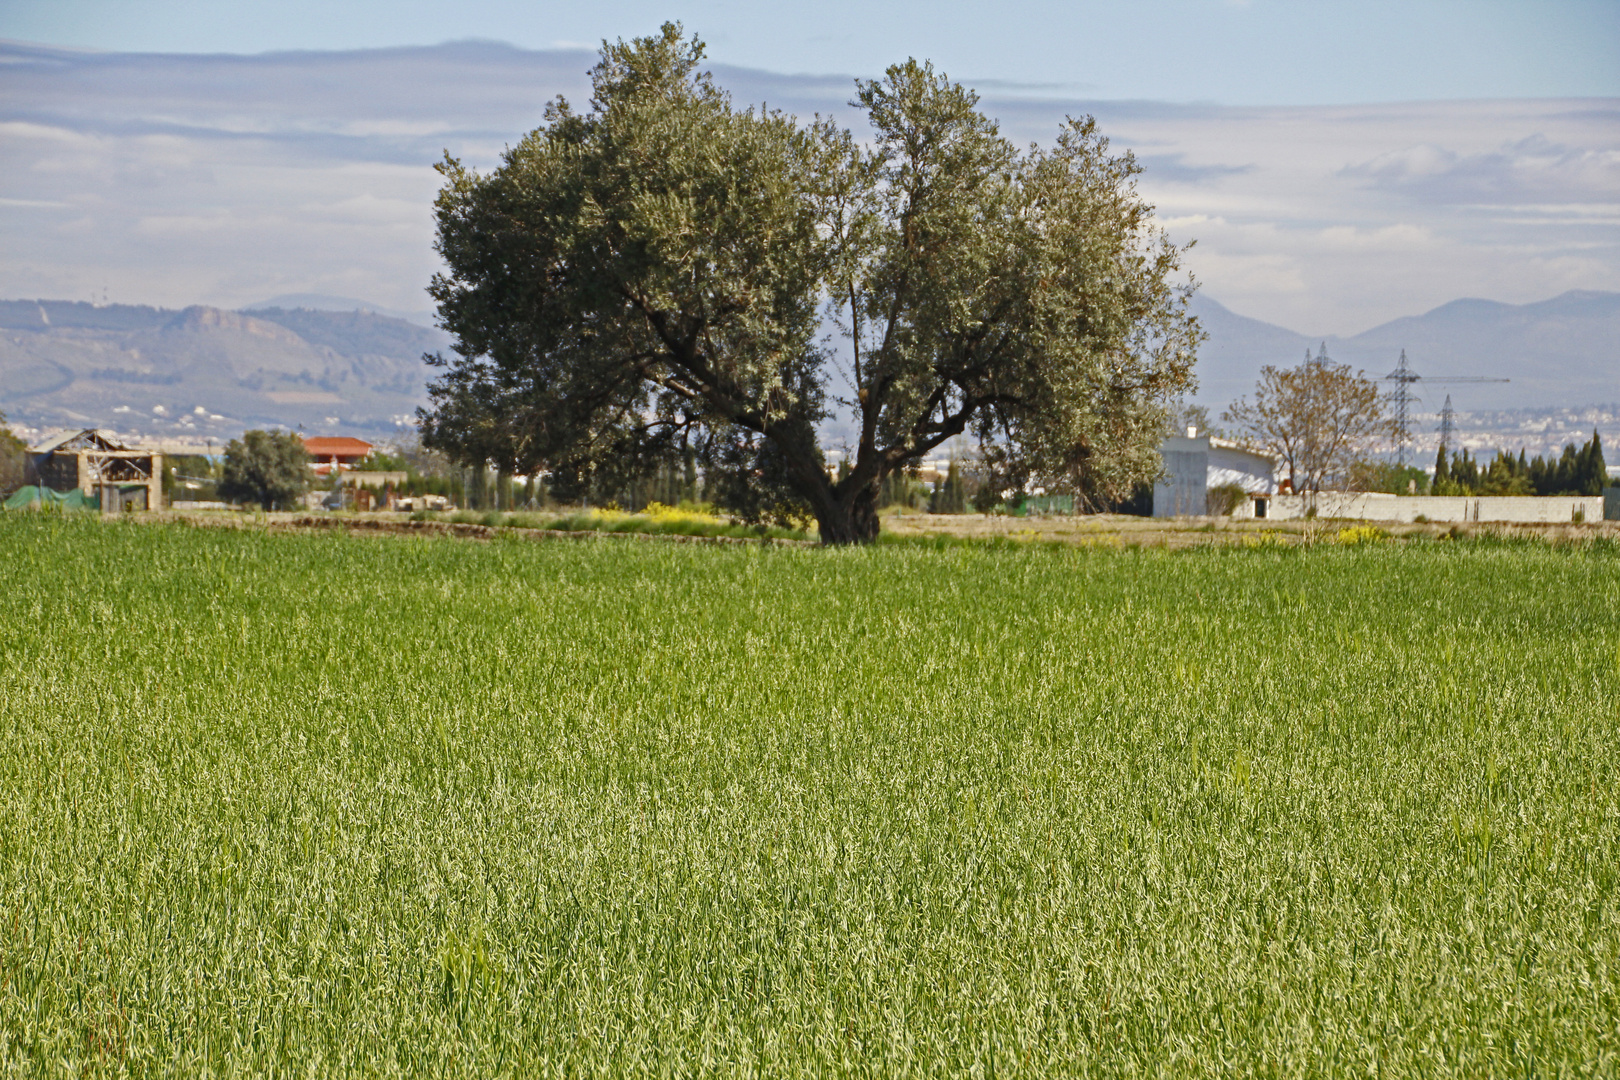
(1464, 472)
(1593, 471)
(689, 475)
(950, 494)
(1567, 475)
(1540, 481)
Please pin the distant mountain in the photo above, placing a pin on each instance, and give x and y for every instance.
(207, 372)
(1563, 351)
(1559, 352)
(347, 367)
(324, 302)
(1229, 361)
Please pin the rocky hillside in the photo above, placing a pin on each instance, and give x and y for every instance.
(203, 371)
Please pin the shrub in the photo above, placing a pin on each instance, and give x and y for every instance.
(1362, 534)
(1222, 499)
(1270, 538)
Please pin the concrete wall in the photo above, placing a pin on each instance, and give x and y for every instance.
(1375, 506)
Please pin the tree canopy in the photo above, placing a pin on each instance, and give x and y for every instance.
(1578, 471)
(270, 468)
(655, 279)
(13, 459)
(1319, 419)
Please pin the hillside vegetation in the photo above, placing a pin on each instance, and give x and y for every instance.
(329, 805)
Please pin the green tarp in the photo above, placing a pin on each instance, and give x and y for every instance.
(1037, 505)
(30, 497)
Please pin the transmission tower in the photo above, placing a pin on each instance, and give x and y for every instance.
(1448, 423)
(1402, 398)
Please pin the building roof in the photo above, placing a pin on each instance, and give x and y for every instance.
(1209, 443)
(81, 439)
(340, 446)
(1217, 443)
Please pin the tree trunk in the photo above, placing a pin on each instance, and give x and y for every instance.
(849, 517)
(845, 513)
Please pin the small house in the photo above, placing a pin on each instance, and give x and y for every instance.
(1193, 464)
(329, 453)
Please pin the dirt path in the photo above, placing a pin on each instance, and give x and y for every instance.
(398, 525)
(1098, 530)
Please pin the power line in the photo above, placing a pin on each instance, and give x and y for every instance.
(1402, 398)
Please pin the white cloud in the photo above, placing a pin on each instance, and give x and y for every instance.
(1525, 169)
(14, 131)
(35, 204)
(226, 180)
(1390, 238)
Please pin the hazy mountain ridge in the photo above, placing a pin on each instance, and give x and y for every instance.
(330, 303)
(140, 368)
(205, 371)
(1562, 352)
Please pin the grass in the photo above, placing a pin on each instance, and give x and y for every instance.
(319, 804)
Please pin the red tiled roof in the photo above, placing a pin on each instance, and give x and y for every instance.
(338, 446)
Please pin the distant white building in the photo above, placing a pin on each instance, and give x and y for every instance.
(1195, 463)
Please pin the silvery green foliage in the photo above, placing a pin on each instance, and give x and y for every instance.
(651, 275)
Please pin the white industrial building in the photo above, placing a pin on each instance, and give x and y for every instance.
(1195, 463)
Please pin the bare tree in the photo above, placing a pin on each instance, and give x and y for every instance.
(1319, 419)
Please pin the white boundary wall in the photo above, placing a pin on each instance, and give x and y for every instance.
(1376, 506)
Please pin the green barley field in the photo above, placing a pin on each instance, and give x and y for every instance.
(321, 805)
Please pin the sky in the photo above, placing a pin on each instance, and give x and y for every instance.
(1338, 164)
(1229, 52)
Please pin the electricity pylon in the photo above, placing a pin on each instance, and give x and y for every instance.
(1402, 399)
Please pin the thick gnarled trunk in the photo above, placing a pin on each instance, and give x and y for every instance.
(852, 519)
(846, 510)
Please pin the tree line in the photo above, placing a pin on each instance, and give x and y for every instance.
(1577, 471)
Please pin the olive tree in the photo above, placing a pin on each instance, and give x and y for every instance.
(270, 468)
(664, 274)
(13, 459)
